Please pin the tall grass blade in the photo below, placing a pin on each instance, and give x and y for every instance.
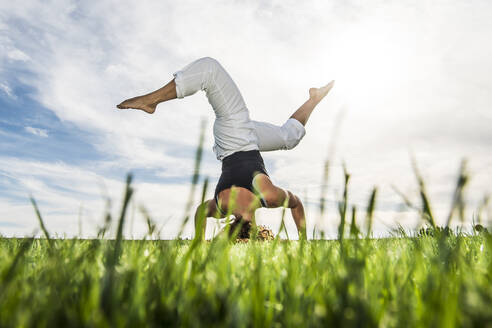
(342, 205)
(121, 221)
(282, 225)
(458, 202)
(201, 219)
(405, 199)
(354, 230)
(326, 166)
(370, 211)
(194, 178)
(426, 207)
(113, 255)
(41, 222)
(107, 220)
(483, 205)
(324, 187)
(151, 225)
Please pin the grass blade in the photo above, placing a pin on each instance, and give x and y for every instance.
(426, 207)
(41, 222)
(370, 211)
(342, 205)
(458, 201)
(113, 255)
(195, 178)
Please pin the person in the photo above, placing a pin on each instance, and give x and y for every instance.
(244, 185)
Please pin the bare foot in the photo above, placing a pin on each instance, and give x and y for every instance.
(319, 93)
(137, 103)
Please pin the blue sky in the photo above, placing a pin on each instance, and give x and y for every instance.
(410, 78)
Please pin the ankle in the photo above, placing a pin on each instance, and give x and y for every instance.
(314, 100)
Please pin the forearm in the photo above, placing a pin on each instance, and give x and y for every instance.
(298, 215)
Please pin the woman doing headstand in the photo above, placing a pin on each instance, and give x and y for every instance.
(238, 142)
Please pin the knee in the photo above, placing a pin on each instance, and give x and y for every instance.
(210, 68)
(292, 132)
(210, 62)
(291, 143)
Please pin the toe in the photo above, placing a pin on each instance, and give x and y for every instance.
(330, 84)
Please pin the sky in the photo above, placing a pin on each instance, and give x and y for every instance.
(412, 79)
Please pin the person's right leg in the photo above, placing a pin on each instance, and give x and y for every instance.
(273, 137)
(315, 96)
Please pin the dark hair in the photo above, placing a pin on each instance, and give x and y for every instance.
(245, 231)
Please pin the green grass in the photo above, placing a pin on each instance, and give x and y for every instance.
(425, 281)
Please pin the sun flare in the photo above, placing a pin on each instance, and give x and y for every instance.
(368, 67)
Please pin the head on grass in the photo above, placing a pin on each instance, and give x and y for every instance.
(245, 230)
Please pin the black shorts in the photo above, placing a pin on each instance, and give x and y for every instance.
(238, 170)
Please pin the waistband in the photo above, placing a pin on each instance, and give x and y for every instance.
(241, 156)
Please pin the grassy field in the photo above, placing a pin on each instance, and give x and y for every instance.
(441, 280)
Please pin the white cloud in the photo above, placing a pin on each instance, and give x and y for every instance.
(8, 91)
(37, 131)
(17, 55)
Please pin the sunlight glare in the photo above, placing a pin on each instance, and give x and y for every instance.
(368, 67)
